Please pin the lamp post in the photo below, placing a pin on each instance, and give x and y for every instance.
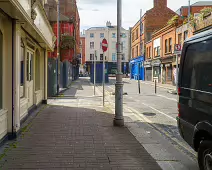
(58, 45)
(119, 119)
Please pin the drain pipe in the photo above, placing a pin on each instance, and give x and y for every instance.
(44, 74)
(13, 90)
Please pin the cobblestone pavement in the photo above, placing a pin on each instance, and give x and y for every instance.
(76, 133)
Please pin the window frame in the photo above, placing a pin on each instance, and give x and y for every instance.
(91, 45)
(91, 57)
(166, 45)
(101, 35)
(91, 34)
(170, 45)
(113, 35)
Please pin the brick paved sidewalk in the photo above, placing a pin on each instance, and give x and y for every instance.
(62, 137)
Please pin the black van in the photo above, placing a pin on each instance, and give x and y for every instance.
(195, 96)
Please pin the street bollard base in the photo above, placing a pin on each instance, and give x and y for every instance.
(118, 122)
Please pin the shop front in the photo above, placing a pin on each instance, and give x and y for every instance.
(156, 65)
(148, 70)
(167, 68)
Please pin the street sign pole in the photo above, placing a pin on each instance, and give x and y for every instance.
(103, 79)
(95, 73)
(104, 49)
(178, 49)
(139, 85)
(177, 73)
(119, 119)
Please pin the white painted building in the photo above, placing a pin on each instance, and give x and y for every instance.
(94, 37)
(25, 39)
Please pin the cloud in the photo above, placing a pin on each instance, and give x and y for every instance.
(80, 9)
(97, 2)
(95, 10)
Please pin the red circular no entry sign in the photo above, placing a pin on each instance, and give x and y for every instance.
(104, 45)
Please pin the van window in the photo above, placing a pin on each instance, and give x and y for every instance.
(198, 66)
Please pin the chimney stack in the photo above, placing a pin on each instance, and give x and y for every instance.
(160, 3)
(108, 24)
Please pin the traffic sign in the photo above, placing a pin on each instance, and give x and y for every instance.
(104, 45)
(177, 48)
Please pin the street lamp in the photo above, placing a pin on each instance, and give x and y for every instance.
(58, 44)
(119, 119)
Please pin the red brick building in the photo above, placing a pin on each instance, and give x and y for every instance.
(82, 48)
(160, 49)
(152, 20)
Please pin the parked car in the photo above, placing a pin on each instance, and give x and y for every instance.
(195, 96)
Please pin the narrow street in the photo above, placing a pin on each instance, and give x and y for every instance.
(160, 112)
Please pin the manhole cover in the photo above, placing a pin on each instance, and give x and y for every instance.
(149, 114)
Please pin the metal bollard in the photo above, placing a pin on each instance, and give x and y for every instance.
(155, 87)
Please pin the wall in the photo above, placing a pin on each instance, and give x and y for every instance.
(6, 114)
(171, 33)
(82, 39)
(149, 45)
(136, 40)
(112, 45)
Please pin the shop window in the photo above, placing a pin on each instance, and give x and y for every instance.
(1, 70)
(22, 70)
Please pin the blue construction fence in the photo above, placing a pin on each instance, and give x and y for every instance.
(137, 68)
(99, 72)
(65, 77)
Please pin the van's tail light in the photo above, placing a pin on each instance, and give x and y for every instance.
(179, 91)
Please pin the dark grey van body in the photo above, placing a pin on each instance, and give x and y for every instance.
(195, 90)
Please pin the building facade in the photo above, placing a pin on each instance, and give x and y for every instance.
(82, 53)
(25, 39)
(152, 20)
(160, 54)
(94, 37)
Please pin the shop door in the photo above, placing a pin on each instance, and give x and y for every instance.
(149, 74)
(169, 75)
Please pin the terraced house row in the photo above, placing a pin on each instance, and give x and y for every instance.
(160, 33)
(27, 48)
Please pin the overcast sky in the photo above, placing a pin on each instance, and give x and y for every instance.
(97, 12)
